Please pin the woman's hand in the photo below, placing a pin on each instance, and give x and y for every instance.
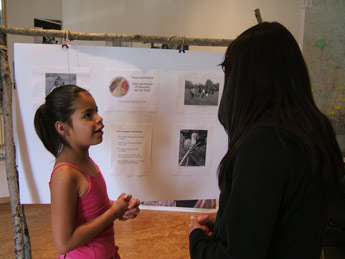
(194, 224)
(204, 222)
(207, 222)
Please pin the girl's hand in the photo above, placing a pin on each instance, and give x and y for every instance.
(133, 210)
(126, 197)
(120, 206)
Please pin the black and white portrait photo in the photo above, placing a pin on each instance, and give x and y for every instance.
(54, 80)
(192, 147)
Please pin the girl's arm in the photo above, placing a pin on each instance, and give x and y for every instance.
(66, 185)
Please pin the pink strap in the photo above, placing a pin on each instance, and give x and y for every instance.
(74, 166)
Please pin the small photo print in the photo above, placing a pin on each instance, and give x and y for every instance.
(119, 86)
(206, 93)
(54, 80)
(192, 148)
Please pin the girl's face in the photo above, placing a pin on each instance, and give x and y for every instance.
(86, 125)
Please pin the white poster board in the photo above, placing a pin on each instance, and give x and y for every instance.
(142, 94)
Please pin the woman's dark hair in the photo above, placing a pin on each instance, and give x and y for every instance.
(265, 72)
(58, 106)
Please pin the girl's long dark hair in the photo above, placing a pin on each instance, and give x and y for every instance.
(265, 71)
(58, 106)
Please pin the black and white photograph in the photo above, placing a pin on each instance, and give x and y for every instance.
(192, 147)
(54, 80)
(206, 93)
(199, 92)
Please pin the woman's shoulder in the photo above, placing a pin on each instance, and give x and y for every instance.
(266, 139)
(266, 130)
(259, 135)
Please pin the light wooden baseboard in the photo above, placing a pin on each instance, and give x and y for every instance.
(4, 199)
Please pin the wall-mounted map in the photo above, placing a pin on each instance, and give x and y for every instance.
(324, 51)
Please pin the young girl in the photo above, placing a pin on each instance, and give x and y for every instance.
(82, 215)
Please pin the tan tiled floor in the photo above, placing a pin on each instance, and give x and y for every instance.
(153, 234)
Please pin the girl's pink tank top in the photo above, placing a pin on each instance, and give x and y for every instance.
(94, 203)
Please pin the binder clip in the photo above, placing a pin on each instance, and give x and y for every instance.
(65, 40)
(182, 47)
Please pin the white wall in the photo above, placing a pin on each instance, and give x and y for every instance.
(193, 18)
(21, 13)
(190, 18)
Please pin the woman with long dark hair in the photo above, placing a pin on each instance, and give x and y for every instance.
(283, 165)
